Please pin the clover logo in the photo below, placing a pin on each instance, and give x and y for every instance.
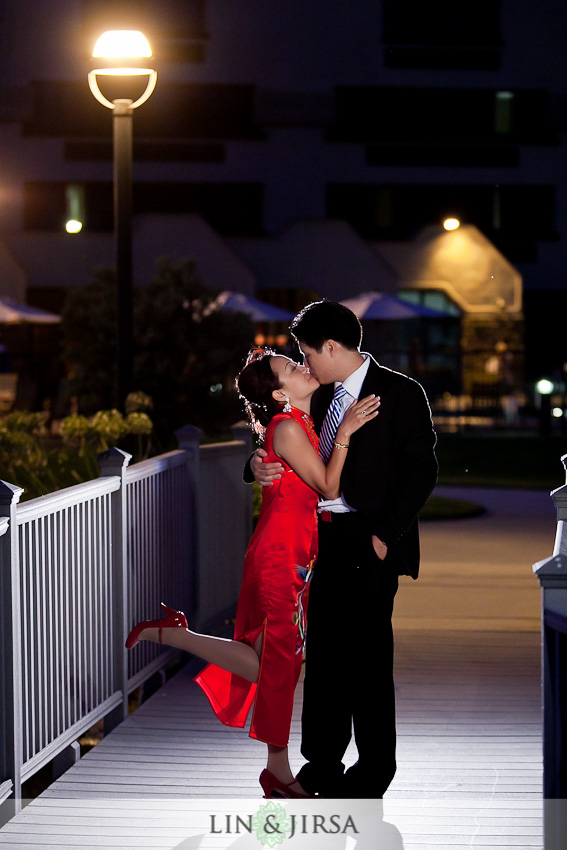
(271, 824)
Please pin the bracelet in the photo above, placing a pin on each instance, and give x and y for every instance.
(342, 445)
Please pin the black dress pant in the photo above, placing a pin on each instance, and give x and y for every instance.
(349, 665)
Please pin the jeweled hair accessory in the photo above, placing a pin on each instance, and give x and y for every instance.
(254, 354)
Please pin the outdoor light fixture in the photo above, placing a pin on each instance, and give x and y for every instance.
(451, 223)
(122, 51)
(122, 44)
(545, 387)
(73, 226)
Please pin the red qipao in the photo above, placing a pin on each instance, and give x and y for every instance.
(272, 601)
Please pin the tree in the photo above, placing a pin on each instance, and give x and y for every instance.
(89, 342)
(186, 354)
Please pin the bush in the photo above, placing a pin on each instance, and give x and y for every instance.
(29, 463)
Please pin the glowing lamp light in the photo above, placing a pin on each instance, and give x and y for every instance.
(545, 387)
(557, 412)
(73, 226)
(122, 44)
(451, 224)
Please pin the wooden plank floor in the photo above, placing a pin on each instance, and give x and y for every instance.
(469, 770)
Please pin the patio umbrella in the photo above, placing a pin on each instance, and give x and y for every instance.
(257, 310)
(379, 305)
(14, 313)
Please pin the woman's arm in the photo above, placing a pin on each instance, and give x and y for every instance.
(292, 444)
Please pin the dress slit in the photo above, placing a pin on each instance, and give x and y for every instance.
(274, 592)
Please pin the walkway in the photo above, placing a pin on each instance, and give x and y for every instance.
(468, 686)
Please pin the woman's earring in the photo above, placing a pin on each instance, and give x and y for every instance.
(287, 406)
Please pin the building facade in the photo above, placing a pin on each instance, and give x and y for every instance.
(282, 135)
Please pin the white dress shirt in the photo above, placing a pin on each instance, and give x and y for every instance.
(353, 385)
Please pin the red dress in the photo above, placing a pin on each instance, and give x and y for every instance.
(272, 601)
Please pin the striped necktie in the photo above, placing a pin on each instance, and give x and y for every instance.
(331, 423)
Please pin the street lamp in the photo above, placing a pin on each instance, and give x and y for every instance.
(115, 47)
(545, 387)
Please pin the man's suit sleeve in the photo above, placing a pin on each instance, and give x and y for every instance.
(247, 474)
(414, 447)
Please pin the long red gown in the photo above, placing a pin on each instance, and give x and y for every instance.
(273, 601)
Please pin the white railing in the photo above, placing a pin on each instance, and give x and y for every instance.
(80, 566)
(552, 575)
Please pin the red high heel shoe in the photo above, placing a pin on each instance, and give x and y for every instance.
(274, 787)
(174, 619)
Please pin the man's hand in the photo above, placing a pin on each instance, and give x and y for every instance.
(380, 548)
(265, 473)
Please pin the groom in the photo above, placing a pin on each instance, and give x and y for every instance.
(367, 538)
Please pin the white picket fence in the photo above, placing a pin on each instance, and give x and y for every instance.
(80, 566)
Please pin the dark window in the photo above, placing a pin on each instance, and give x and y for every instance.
(399, 211)
(146, 152)
(232, 209)
(482, 156)
(442, 34)
(442, 116)
(443, 58)
(175, 111)
(441, 22)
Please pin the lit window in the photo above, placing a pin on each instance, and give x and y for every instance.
(503, 112)
(75, 207)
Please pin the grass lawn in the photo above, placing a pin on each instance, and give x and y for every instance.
(439, 507)
(495, 460)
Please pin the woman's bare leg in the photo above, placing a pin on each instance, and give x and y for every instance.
(232, 655)
(278, 764)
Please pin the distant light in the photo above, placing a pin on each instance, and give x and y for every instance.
(557, 412)
(215, 388)
(122, 44)
(545, 387)
(451, 223)
(73, 226)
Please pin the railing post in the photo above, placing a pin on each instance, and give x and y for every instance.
(11, 751)
(115, 462)
(552, 575)
(189, 440)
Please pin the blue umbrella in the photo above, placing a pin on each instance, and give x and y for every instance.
(14, 313)
(258, 311)
(380, 305)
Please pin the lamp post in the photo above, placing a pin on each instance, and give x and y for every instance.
(545, 388)
(114, 47)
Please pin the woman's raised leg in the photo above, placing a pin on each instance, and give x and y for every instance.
(232, 655)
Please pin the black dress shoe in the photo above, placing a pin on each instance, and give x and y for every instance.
(327, 783)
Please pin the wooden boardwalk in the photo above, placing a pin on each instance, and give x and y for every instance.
(469, 752)
(469, 725)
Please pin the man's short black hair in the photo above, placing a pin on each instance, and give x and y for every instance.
(323, 320)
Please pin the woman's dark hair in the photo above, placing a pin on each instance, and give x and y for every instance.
(255, 384)
(323, 320)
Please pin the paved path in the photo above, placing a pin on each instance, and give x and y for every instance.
(477, 573)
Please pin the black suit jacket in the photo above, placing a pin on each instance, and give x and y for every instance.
(391, 468)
